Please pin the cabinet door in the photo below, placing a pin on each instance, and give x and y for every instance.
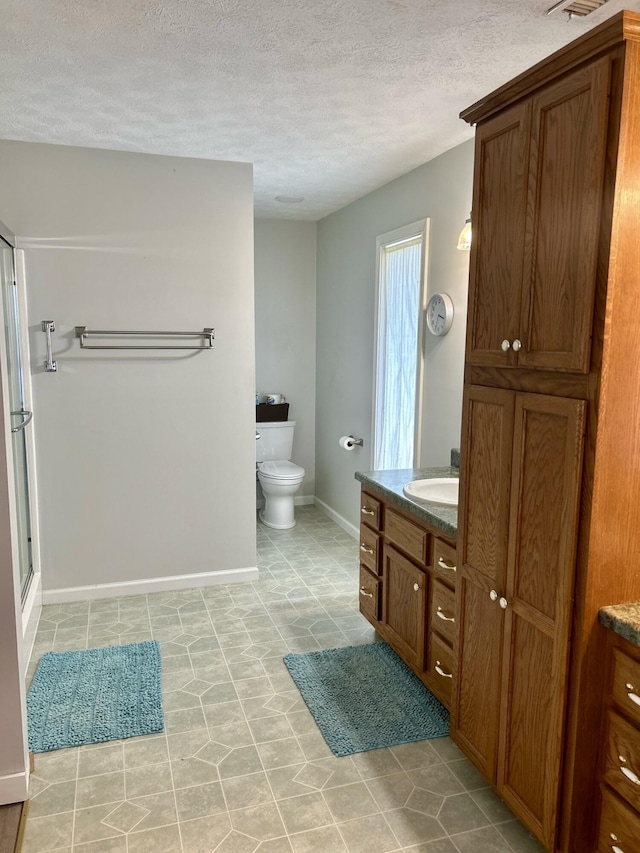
(485, 477)
(499, 202)
(404, 605)
(537, 601)
(568, 148)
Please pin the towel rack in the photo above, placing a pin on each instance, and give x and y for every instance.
(83, 333)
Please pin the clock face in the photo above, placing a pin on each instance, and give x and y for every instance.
(439, 314)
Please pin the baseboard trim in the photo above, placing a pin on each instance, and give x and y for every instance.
(339, 519)
(14, 788)
(140, 587)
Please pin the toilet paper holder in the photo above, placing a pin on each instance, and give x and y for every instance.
(348, 442)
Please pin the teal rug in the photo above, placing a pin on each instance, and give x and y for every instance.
(95, 695)
(365, 697)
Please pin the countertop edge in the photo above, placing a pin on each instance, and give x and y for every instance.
(389, 485)
(622, 619)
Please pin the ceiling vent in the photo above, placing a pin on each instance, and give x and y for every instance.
(576, 8)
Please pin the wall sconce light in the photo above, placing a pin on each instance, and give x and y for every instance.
(464, 240)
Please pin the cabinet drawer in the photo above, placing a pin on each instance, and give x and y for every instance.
(371, 511)
(440, 667)
(443, 608)
(369, 595)
(445, 561)
(370, 549)
(619, 826)
(622, 771)
(408, 537)
(626, 684)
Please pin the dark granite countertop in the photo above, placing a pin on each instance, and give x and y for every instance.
(390, 483)
(623, 619)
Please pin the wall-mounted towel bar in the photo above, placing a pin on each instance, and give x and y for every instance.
(83, 333)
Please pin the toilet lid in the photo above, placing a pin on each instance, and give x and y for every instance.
(281, 469)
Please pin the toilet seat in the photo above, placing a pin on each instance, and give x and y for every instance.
(280, 470)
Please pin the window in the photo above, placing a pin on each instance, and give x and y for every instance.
(398, 361)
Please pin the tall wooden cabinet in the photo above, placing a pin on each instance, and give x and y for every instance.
(549, 522)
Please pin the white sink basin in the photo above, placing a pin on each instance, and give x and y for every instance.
(442, 490)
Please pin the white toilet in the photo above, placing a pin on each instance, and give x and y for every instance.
(279, 477)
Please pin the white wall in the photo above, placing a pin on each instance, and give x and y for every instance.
(285, 299)
(441, 191)
(146, 462)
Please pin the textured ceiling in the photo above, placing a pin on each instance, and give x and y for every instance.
(328, 99)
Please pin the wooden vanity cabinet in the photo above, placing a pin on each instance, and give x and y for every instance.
(407, 572)
(619, 812)
(549, 515)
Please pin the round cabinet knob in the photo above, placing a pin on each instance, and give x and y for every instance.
(416, 587)
(493, 595)
(517, 345)
(503, 603)
(505, 345)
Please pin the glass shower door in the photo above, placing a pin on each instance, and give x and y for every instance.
(20, 417)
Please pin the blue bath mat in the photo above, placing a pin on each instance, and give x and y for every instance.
(365, 697)
(95, 695)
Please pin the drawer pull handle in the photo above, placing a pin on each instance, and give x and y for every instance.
(613, 836)
(616, 849)
(630, 775)
(366, 550)
(442, 615)
(363, 591)
(366, 511)
(438, 668)
(445, 564)
(632, 694)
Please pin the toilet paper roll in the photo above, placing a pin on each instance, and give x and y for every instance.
(346, 442)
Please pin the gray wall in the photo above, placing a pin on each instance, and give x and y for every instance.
(146, 462)
(285, 298)
(441, 191)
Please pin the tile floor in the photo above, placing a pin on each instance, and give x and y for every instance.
(241, 767)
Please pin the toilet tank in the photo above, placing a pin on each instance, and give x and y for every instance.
(276, 440)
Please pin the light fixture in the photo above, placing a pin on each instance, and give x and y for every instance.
(289, 199)
(464, 240)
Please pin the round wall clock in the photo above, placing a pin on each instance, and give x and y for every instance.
(439, 314)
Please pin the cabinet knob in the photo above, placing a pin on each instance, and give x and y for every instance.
(416, 587)
(493, 595)
(363, 591)
(438, 668)
(505, 345)
(366, 550)
(517, 345)
(366, 511)
(503, 603)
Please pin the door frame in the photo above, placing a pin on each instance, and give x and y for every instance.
(14, 755)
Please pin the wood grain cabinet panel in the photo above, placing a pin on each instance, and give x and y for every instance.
(622, 769)
(519, 604)
(404, 605)
(442, 614)
(536, 221)
(619, 826)
(369, 549)
(440, 668)
(626, 684)
(409, 537)
(370, 511)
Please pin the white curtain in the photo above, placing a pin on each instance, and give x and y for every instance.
(398, 317)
